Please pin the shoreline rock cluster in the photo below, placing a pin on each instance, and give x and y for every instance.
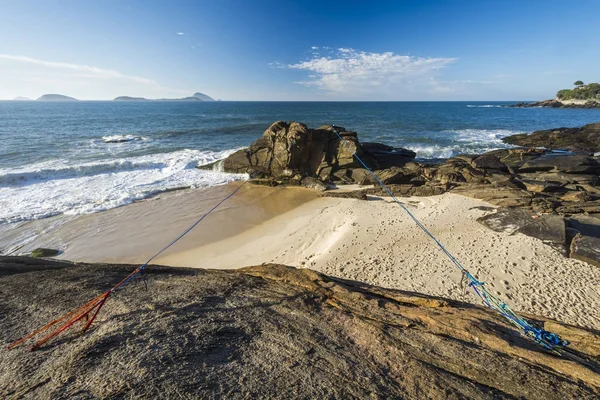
(537, 180)
(554, 103)
(272, 331)
(583, 139)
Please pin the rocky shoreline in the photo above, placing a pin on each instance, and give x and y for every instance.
(554, 103)
(561, 187)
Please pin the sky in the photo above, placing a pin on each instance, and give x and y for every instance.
(302, 50)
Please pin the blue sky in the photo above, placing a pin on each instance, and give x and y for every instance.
(298, 50)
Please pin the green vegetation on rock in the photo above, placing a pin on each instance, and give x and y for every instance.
(591, 91)
(42, 252)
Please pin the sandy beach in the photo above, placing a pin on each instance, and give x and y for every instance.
(372, 241)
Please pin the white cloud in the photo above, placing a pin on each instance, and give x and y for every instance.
(349, 71)
(180, 33)
(276, 64)
(31, 77)
(315, 47)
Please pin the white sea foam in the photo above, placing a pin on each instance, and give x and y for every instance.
(122, 138)
(58, 187)
(464, 141)
(484, 106)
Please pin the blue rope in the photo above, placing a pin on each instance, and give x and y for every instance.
(547, 339)
(141, 268)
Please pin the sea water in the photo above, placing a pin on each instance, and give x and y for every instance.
(81, 157)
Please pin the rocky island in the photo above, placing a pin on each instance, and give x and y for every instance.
(582, 96)
(56, 97)
(195, 97)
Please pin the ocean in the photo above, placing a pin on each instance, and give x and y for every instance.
(82, 157)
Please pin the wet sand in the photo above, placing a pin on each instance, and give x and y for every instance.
(133, 233)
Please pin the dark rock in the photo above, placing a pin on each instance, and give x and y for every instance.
(586, 248)
(361, 176)
(543, 204)
(587, 207)
(489, 161)
(569, 164)
(354, 194)
(467, 158)
(500, 195)
(540, 186)
(410, 190)
(312, 183)
(586, 138)
(395, 175)
(587, 226)
(560, 178)
(508, 220)
(264, 182)
(43, 252)
(514, 158)
(548, 228)
(387, 156)
(456, 171)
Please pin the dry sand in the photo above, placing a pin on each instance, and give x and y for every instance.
(371, 241)
(376, 242)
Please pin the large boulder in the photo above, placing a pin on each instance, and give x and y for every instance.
(288, 149)
(586, 138)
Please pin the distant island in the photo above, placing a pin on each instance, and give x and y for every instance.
(581, 96)
(56, 97)
(21, 98)
(195, 97)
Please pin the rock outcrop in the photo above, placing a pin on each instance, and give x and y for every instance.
(554, 103)
(272, 332)
(586, 138)
(292, 151)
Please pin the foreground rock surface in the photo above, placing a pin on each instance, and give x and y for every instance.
(271, 332)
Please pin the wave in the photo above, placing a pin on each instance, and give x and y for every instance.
(55, 187)
(122, 138)
(462, 141)
(485, 106)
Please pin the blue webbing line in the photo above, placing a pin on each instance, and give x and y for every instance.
(540, 336)
(141, 268)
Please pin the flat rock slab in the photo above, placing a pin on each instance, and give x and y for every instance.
(573, 164)
(508, 220)
(548, 228)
